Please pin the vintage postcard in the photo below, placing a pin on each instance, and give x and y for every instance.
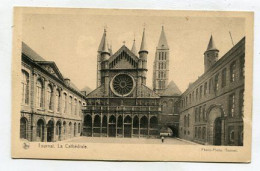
(132, 85)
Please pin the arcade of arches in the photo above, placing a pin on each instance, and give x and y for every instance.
(49, 131)
(120, 126)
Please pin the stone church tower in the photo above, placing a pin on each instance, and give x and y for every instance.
(161, 65)
(210, 55)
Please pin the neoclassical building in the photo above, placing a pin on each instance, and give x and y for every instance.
(122, 105)
(51, 105)
(212, 108)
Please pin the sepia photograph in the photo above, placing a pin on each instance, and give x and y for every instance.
(132, 85)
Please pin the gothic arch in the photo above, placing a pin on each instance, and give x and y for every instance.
(97, 121)
(88, 121)
(112, 119)
(153, 122)
(127, 119)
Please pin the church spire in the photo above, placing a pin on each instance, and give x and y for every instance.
(143, 47)
(162, 44)
(134, 48)
(211, 45)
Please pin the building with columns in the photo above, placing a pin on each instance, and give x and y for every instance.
(212, 108)
(51, 105)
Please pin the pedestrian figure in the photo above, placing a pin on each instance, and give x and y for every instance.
(162, 138)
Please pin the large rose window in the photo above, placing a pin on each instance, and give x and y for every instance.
(122, 85)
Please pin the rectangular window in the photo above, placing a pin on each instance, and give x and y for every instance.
(224, 77)
(232, 71)
(231, 105)
(196, 115)
(241, 103)
(203, 113)
(197, 92)
(231, 135)
(242, 66)
(216, 82)
(193, 95)
(205, 88)
(190, 98)
(200, 112)
(210, 83)
(201, 91)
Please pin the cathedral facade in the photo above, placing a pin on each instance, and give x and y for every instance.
(122, 105)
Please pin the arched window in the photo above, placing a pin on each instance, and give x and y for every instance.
(23, 128)
(25, 87)
(64, 103)
(203, 133)
(199, 134)
(75, 106)
(79, 108)
(185, 121)
(70, 105)
(78, 127)
(39, 94)
(49, 97)
(164, 106)
(188, 121)
(58, 100)
(153, 122)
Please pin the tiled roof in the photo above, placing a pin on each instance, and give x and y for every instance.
(40, 60)
(171, 90)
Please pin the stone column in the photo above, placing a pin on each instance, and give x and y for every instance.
(116, 125)
(139, 127)
(132, 126)
(61, 132)
(123, 128)
(101, 120)
(45, 133)
(107, 124)
(33, 132)
(54, 132)
(148, 129)
(223, 131)
(92, 124)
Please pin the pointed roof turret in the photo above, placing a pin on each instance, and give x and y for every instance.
(105, 44)
(211, 45)
(143, 47)
(134, 48)
(100, 47)
(162, 44)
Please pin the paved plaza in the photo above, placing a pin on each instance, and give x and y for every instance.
(167, 140)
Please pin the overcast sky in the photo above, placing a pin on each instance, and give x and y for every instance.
(71, 40)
